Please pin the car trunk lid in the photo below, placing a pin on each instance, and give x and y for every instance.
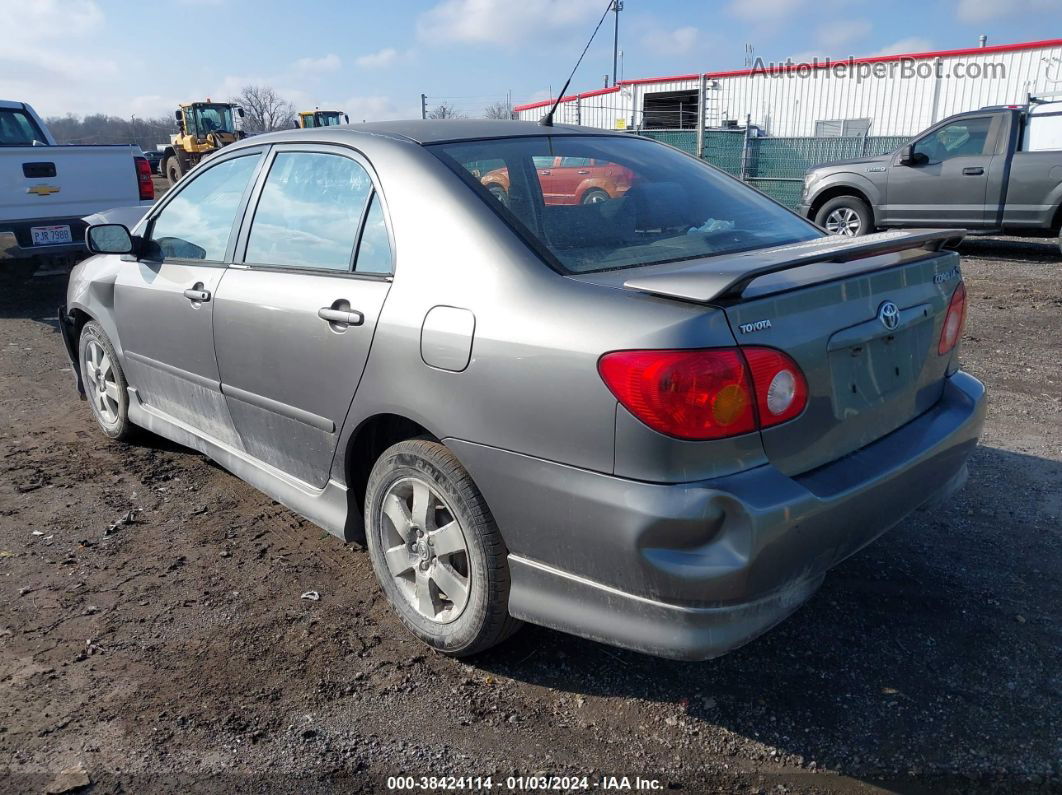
(861, 320)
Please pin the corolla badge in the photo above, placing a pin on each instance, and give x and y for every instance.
(889, 315)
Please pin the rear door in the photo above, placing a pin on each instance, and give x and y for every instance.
(950, 186)
(294, 320)
(164, 302)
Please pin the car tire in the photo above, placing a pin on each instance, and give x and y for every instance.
(172, 170)
(846, 216)
(105, 384)
(595, 196)
(436, 550)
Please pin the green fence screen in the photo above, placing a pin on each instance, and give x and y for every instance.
(774, 166)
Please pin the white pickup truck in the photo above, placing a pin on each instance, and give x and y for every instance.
(46, 189)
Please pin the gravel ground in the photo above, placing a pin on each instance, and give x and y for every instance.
(153, 638)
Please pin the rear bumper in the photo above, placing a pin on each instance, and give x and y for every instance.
(17, 243)
(693, 570)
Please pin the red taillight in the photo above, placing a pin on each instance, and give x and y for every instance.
(780, 388)
(143, 178)
(707, 394)
(698, 394)
(953, 321)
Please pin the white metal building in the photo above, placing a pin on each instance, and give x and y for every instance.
(886, 95)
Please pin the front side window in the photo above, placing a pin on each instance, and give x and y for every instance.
(18, 129)
(196, 224)
(638, 203)
(214, 118)
(309, 212)
(961, 139)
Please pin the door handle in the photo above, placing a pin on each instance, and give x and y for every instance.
(342, 317)
(197, 294)
(583, 171)
(973, 171)
(545, 172)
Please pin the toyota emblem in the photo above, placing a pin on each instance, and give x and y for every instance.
(889, 315)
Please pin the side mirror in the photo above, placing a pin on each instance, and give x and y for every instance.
(347, 118)
(108, 239)
(909, 157)
(295, 124)
(178, 116)
(240, 111)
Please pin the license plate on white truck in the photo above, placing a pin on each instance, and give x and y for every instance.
(50, 235)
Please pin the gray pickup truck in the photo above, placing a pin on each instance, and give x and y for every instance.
(993, 170)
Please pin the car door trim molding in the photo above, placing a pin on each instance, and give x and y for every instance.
(187, 375)
(291, 412)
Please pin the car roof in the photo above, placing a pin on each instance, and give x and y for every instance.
(433, 131)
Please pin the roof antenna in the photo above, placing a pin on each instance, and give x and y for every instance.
(547, 120)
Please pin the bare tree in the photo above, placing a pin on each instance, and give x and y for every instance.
(265, 109)
(498, 110)
(445, 111)
(99, 128)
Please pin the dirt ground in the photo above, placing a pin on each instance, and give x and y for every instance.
(153, 638)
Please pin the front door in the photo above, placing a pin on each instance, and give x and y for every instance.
(948, 186)
(164, 301)
(293, 323)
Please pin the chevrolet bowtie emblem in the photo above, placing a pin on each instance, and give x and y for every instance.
(43, 190)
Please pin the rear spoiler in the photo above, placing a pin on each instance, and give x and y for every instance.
(726, 276)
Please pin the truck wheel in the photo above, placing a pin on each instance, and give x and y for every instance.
(105, 385)
(436, 550)
(846, 216)
(171, 168)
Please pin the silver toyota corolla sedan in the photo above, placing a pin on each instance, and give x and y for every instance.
(548, 374)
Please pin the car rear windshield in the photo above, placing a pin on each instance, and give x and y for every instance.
(18, 129)
(606, 202)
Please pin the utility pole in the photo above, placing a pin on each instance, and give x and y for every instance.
(424, 106)
(617, 6)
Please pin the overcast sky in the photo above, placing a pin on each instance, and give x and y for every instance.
(373, 59)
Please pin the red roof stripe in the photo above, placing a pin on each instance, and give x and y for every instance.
(1027, 45)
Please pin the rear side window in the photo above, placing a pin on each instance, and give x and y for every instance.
(309, 212)
(18, 129)
(590, 203)
(374, 251)
(196, 224)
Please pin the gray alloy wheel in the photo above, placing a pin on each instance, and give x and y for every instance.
(846, 216)
(104, 381)
(436, 550)
(595, 196)
(843, 221)
(426, 551)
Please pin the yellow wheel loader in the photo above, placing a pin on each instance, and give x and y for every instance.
(202, 129)
(321, 118)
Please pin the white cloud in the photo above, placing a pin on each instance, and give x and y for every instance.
(501, 22)
(326, 63)
(764, 11)
(842, 32)
(909, 45)
(672, 42)
(983, 10)
(50, 62)
(379, 59)
(374, 108)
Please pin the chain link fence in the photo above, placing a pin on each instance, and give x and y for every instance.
(774, 166)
